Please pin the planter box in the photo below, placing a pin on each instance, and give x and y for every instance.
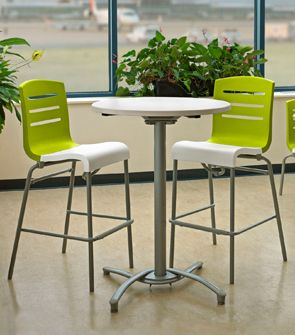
(164, 88)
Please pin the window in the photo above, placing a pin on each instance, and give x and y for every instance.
(73, 34)
(82, 47)
(280, 41)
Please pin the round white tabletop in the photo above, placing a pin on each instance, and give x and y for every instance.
(160, 106)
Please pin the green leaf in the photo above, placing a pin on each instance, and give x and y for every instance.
(14, 41)
(161, 73)
(251, 62)
(192, 52)
(4, 90)
(132, 62)
(200, 48)
(152, 43)
(199, 75)
(185, 46)
(161, 49)
(8, 106)
(122, 91)
(144, 63)
(17, 114)
(213, 44)
(187, 83)
(261, 61)
(174, 52)
(4, 98)
(256, 53)
(15, 54)
(131, 53)
(181, 41)
(120, 68)
(159, 37)
(144, 51)
(243, 50)
(215, 53)
(2, 115)
(176, 74)
(202, 59)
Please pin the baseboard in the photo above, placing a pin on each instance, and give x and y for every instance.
(135, 177)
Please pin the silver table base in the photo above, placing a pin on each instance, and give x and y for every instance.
(148, 277)
(160, 274)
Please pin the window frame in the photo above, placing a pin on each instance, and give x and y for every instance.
(113, 50)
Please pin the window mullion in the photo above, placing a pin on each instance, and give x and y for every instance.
(113, 44)
(259, 30)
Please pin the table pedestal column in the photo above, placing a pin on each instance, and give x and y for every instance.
(160, 198)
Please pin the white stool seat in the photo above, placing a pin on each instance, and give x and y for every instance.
(93, 156)
(210, 153)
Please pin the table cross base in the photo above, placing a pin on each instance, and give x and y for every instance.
(148, 277)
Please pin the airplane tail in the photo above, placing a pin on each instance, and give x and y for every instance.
(92, 5)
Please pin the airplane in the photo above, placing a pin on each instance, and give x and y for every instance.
(126, 17)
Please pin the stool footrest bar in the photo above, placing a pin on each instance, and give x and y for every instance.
(195, 211)
(83, 239)
(36, 180)
(252, 226)
(220, 231)
(198, 227)
(98, 215)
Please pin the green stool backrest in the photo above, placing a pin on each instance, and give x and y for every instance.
(45, 118)
(249, 122)
(290, 107)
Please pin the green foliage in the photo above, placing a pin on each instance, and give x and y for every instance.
(230, 60)
(184, 63)
(8, 89)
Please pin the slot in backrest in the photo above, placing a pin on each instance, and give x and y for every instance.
(45, 117)
(246, 99)
(290, 133)
(243, 116)
(248, 123)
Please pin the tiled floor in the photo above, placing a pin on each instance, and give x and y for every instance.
(49, 290)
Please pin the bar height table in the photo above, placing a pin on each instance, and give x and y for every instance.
(160, 111)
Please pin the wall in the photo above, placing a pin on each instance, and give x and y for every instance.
(90, 127)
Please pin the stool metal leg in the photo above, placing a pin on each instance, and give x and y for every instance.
(69, 205)
(232, 225)
(276, 206)
(90, 231)
(283, 172)
(173, 215)
(128, 213)
(212, 209)
(20, 220)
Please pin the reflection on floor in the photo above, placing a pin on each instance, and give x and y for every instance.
(49, 291)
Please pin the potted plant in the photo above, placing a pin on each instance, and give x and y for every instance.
(8, 89)
(191, 68)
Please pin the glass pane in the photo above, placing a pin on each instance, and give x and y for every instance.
(74, 38)
(279, 41)
(231, 19)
